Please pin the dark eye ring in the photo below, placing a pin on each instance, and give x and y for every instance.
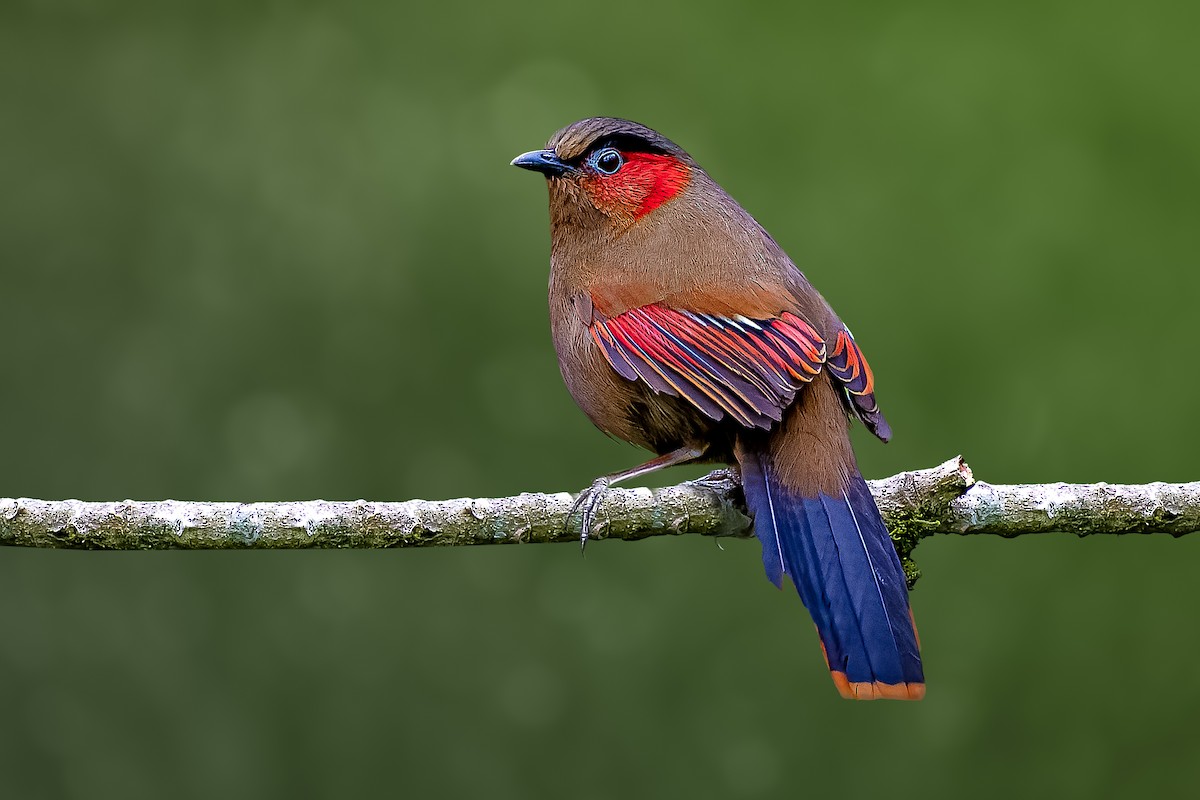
(608, 161)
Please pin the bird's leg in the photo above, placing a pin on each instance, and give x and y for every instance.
(588, 501)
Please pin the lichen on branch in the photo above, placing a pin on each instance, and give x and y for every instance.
(944, 499)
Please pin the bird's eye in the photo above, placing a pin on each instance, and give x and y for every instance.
(608, 161)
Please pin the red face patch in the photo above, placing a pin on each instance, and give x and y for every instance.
(643, 183)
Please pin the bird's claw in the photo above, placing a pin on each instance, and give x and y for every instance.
(586, 505)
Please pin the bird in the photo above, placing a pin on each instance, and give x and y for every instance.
(682, 327)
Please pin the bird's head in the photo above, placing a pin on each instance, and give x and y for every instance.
(609, 173)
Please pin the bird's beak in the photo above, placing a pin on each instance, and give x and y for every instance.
(543, 161)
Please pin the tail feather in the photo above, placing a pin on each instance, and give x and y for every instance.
(838, 555)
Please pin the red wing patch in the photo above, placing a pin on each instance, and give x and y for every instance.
(747, 369)
(848, 365)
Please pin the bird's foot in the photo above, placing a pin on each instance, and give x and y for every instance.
(586, 505)
(719, 480)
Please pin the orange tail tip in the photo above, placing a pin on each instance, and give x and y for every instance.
(876, 690)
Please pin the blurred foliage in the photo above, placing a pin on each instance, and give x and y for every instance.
(266, 250)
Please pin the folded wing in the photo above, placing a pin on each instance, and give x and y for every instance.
(747, 369)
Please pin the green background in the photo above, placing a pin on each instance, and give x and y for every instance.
(256, 251)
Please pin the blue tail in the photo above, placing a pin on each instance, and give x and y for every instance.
(839, 556)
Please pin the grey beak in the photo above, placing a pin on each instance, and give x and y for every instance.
(543, 161)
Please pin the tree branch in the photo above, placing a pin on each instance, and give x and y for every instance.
(945, 499)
